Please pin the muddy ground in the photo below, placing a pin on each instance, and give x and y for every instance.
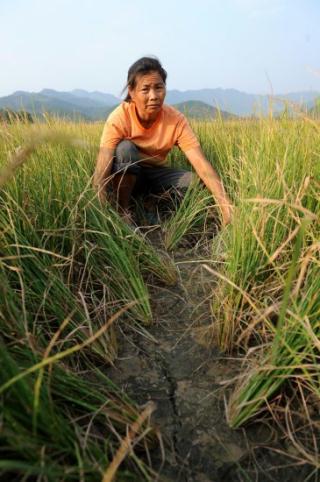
(185, 378)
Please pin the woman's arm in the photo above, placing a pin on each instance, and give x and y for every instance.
(211, 179)
(103, 171)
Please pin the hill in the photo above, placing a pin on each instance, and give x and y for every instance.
(95, 105)
(196, 109)
(241, 103)
(64, 104)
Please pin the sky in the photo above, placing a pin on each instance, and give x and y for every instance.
(255, 46)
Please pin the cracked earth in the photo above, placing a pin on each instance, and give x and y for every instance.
(186, 379)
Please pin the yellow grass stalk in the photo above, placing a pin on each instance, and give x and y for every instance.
(21, 154)
(128, 442)
(59, 356)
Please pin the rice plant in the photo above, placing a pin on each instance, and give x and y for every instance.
(266, 300)
(65, 222)
(65, 266)
(193, 210)
(70, 435)
(294, 352)
(276, 176)
(68, 264)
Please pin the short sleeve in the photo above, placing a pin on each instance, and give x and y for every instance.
(186, 138)
(114, 130)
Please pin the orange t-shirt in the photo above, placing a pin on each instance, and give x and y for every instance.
(170, 129)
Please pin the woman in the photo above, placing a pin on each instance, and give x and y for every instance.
(137, 137)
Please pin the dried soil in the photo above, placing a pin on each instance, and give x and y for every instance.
(185, 377)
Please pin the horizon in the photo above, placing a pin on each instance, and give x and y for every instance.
(275, 94)
(253, 46)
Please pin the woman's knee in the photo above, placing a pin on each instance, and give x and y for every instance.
(127, 157)
(126, 150)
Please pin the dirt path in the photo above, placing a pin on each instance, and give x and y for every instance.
(185, 378)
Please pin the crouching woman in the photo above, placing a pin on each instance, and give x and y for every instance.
(137, 137)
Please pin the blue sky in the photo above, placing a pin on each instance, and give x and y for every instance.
(256, 46)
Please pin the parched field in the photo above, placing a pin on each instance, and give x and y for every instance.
(180, 351)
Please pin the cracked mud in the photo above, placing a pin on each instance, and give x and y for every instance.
(185, 379)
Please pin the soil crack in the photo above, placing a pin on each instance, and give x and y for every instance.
(172, 387)
(183, 377)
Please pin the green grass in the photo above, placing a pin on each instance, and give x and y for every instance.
(191, 212)
(70, 438)
(267, 297)
(67, 265)
(294, 351)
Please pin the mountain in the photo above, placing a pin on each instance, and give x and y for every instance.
(228, 100)
(80, 101)
(196, 109)
(106, 99)
(97, 105)
(60, 103)
(241, 103)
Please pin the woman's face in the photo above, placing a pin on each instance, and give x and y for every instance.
(148, 95)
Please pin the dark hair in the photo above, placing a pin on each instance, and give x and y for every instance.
(141, 67)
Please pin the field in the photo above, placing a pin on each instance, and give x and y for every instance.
(80, 291)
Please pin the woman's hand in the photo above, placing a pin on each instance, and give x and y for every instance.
(102, 172)
(226, 213)
(211, 179)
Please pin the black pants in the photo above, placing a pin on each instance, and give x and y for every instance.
(150, 179)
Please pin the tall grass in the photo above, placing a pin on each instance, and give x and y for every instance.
(293, 351)
(275, 179)
(70, 438)
(191, 212)
(66, 265)
(56, 424)
(267, 298)
(49, 206)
